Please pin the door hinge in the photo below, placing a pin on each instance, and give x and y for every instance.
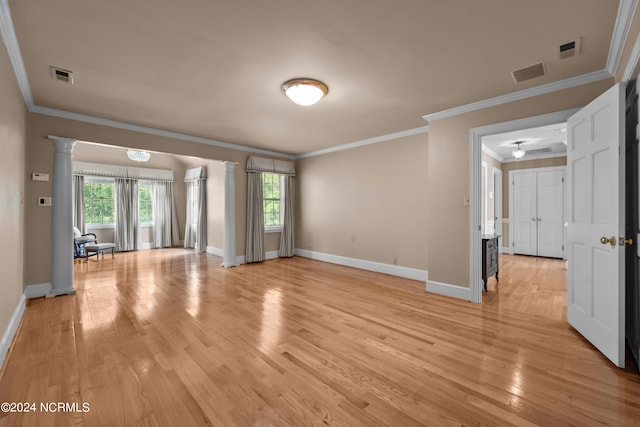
(479, 228)
(563, 179)
(563, 247)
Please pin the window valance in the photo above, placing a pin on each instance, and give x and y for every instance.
(261, 164)
(195, 174)
(118, 171)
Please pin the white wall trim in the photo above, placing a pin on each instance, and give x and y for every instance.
(8, 33)
(12, 328)
(375, 140)
(489, 152)
(378, 267)
(215, 251)
(37, 290)
(153, 131)
(521, 94)
(148, 245)
(626, 12)
(448, 290)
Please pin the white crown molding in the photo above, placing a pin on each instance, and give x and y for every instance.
(626, 12)
(375, 140)
(492, 153)
(8, 33)
(521, 94)
(153, 131)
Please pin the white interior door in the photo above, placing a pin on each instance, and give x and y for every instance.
(525, 214)
(550, 213)
(595, 186)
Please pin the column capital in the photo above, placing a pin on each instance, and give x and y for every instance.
(63, 145)
(229, 166)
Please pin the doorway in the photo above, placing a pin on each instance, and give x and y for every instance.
(476, 137)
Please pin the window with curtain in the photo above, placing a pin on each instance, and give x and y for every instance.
(99, 201)
(273, 204)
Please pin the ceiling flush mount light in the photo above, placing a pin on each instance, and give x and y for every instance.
(138, 156)
(518, 153)
(304, 91)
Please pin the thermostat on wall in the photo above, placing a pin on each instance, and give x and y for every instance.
(37, 176)
(44, 201)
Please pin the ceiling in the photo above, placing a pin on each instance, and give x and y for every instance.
(214, 69)
(539, 142)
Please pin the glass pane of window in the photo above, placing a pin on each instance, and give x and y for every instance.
(98, 203)
(271, 198)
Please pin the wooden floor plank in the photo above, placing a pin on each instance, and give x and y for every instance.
(169, 337)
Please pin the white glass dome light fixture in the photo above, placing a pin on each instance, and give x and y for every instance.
(304, 91)
(138, 156)
(519, 152)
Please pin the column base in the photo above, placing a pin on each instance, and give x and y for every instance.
(53, 294)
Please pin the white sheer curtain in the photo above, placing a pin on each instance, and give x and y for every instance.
(165, 228)
(127, 219)
(195, 233)
(78, 203)
(255, 218)
(287, 244)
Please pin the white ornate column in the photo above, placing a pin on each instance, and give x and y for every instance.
(229, 259)
(62, 218)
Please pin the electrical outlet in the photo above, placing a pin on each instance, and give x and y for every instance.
(353, 239)
(395, 260)
(466, 201)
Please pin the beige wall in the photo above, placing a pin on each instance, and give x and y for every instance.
(40, 159)
(374, 194)
(13, 137)
(523, 164)
(448, 174)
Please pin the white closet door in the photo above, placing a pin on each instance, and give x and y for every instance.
(550, 214)
(525, 214)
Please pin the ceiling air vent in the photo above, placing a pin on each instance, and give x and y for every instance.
(62, 75)
(528, 73)
(568, 49)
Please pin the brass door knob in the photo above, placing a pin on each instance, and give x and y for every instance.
(611, 240)
(628, 242)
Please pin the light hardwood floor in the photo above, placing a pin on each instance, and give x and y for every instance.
(167, 337)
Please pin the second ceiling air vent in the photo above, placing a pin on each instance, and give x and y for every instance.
(568, 49)
(528, 73)
(62, 75)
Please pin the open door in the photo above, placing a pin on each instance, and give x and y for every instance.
(596, 204)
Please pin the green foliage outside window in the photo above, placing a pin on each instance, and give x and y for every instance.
(99, 203)
(271, 197)
(145, 203)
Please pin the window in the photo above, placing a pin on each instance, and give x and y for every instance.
(99, 201)
(273, 197)
(145, 202)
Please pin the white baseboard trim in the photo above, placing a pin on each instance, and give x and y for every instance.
(37, 291)
(148, 245)
(271, 255)
(446, 289)
(10, 333)
(215, 251)
(504, 250)
(378, 267)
